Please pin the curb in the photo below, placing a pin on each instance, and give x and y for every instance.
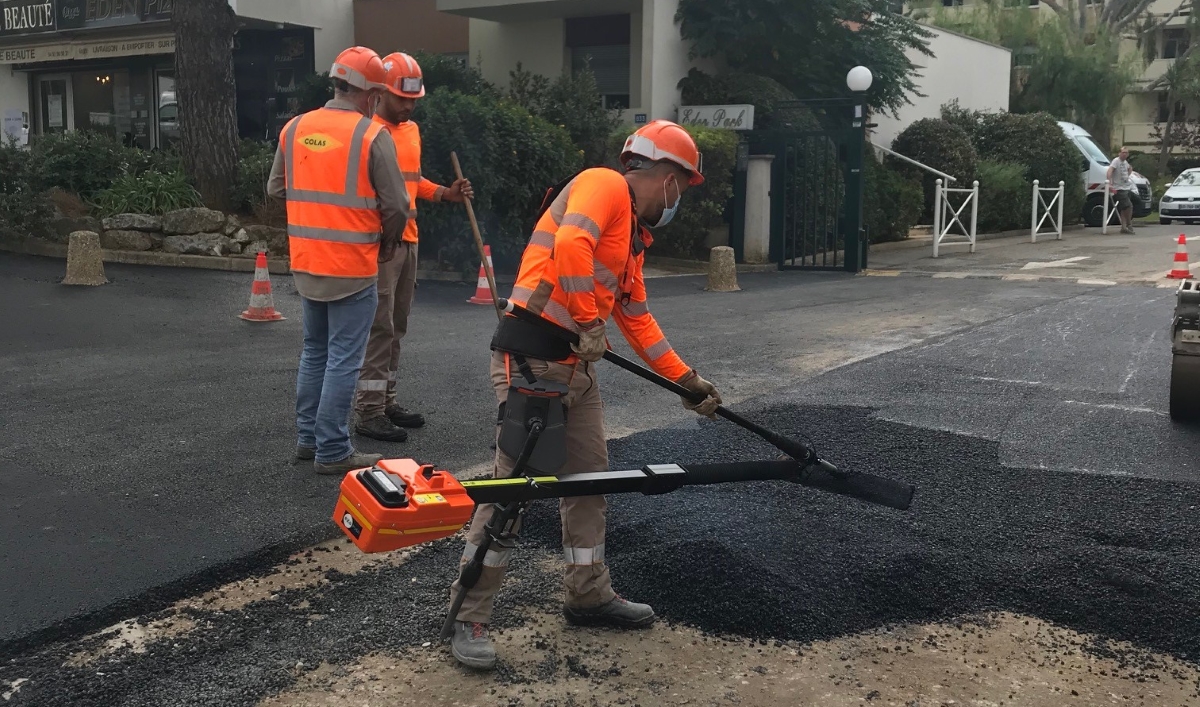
(275, 265)
(1163, 284)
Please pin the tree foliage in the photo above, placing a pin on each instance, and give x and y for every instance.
(809, 46)
(570, 101)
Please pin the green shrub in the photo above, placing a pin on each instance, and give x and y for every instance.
(1175, 165)
(1004, 197)
(82, 162)
(1144, 164)
(255, 159)
(148, 193)
(940, 145)
(775, 107)
(1035, 141)
(572, 102)
(892, 202)
(511, 158)
(314, 91)
(24, 208)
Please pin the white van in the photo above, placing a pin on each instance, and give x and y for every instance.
(1094, 164)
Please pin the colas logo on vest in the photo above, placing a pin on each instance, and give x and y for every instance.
(320, 142)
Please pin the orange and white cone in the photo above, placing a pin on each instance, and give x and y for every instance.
(262, 306)
(483, 293)
(1182, 270)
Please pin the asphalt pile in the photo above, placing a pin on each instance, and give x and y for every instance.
(1107, 555)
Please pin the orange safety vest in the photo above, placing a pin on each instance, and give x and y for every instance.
(407, 137)
(583, 263)
(334, 223)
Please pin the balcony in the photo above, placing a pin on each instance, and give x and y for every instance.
(532, 10)
(1138, 136)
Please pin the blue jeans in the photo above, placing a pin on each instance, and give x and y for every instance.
(335, 341)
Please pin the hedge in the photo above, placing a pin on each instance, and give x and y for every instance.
(24, 209)
(940, 145)
(892, 202)
(511, 158)
(1004, 197)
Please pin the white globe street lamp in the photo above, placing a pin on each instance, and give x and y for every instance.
(859, 79)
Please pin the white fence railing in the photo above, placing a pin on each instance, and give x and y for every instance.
(1110, 209)
(946, 216)
(1047, 211)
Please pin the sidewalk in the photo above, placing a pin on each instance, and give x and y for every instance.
(1084, 255)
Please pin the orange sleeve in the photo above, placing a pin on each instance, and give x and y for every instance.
(427, 190)
(643, 333)
(590, 210)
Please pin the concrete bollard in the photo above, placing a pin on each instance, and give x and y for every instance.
(84, 263)
(722, 270)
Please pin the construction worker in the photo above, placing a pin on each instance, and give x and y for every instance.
(379, 415)
(347, 209)
(584, 263)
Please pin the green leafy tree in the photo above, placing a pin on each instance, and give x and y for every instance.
(1070, 67)
(809, 46)
(571, 101)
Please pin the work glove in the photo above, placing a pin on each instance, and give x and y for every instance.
(712, 400)
(592, 342)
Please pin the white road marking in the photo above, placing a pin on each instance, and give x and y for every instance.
(1064, 263)
(15, 687)
(1096, 282)
(1113, 406)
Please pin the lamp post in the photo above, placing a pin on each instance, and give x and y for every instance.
(858, 80)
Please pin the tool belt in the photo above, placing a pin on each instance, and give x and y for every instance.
(529, 340)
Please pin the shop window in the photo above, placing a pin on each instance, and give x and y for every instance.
(603, 45)
(102, 103)
(168, 109)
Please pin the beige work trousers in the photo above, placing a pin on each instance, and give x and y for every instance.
(397, 283)
(587, 579)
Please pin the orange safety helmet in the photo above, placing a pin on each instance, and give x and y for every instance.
(404, 76)
(360, 67)
(663, 140)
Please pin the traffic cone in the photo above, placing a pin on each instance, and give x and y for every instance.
(483, 294)
(262, 306)
(1182, 270)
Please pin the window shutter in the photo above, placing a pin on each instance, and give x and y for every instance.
(609, 64)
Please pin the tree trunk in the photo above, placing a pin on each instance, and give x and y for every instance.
(207, 97)
(1168, 134)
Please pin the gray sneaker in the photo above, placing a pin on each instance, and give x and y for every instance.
(356, 460)
(472, 646)
(618, 613)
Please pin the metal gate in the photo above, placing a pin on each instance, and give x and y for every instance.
(816, 197)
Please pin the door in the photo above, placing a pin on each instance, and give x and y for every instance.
(56, 104)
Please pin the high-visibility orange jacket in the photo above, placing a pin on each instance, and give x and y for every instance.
(334, 223)
(407, 137)
(580, 266)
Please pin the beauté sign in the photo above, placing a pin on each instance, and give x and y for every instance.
(738, 117)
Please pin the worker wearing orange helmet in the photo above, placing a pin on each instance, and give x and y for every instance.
(347, 210)
(379, 415)
(582, 265)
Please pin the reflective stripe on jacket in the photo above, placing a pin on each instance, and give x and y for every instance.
(579, 266)
(334, 223)
(407, 137)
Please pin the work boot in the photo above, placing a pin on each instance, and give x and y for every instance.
(401, 417)
(617, 613)
(382, 429)
(356, 460)
(472, 647)
(304, 454)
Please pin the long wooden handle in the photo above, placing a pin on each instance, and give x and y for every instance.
(487, 267)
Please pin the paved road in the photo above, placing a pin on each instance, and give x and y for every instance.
(147, 452)
(987, 419)
(1081, 254)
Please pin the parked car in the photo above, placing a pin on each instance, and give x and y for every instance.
(1181, 200)
(1095, 171)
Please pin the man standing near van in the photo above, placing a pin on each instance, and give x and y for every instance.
(1120, 176)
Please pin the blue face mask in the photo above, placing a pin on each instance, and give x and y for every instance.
(670, 211)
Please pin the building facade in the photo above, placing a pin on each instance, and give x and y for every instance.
(108, 65)
(410, 26)
(633, 46)
(975, 73)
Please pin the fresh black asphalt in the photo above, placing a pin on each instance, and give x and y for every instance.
(148, 431)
